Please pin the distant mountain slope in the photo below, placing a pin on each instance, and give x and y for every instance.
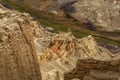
(96, 14)
(101, 14)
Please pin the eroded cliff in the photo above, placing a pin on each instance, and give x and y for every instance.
(18, 58)
(90, 69)
(60, 55)
(61, 52)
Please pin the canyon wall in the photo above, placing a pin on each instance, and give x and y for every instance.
(91, 69)
(18, 58)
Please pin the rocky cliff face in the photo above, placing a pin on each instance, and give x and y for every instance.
(90, 69)
(60, 53)
(18, 58)
(99, 14)
(65, 44)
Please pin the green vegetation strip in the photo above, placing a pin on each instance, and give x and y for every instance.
(59, 27)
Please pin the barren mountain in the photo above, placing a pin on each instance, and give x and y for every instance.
(25, 45)
(101, 14)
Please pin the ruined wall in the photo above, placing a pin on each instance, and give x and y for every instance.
(18, 59)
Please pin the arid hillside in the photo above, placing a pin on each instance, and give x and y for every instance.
(100, 14)
(49, 18)
(31, 51)
(96, 14)
(18, 56)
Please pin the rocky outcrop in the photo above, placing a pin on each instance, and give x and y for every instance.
(60, 45)
(98, 14)
(90, 69)
(61, 55)
(62, 51)
(18, 58)
(65, 44)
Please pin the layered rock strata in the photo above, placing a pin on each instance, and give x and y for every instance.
(18, 58)
(90, 69)
(60, 55)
